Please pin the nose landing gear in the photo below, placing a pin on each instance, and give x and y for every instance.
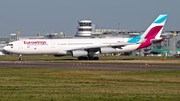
(20, 57)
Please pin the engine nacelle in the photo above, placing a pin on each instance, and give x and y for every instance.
(105, 50)
(78, 53)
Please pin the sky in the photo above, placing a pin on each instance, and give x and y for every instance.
(31, 17)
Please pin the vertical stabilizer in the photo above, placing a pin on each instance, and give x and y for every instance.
(152, 34)
(155, 29)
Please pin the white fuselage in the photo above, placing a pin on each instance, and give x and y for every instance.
(61, 46)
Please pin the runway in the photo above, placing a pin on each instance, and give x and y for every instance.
(127, 67)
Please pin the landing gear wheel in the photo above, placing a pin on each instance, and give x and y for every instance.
(91, 58)
(20, 59)
(96, 58)
(88, 58)
(80, 58)
(85, 58)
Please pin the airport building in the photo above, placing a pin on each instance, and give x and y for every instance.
(84, 29)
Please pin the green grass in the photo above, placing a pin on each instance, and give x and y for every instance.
(32, 84)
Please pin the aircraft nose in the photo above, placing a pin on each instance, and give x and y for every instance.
(5, 48)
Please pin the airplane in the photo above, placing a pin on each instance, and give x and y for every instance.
(85, 49)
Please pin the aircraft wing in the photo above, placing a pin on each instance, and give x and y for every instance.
(96, 48)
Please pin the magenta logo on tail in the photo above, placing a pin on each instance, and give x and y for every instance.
(151, 35)
(153, 32)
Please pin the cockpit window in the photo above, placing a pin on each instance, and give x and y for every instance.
(9, 44)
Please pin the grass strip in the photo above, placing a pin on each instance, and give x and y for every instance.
(79, 85)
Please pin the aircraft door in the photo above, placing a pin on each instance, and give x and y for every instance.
(52, 45)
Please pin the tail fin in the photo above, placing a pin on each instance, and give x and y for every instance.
(152, 34)
(155, 29)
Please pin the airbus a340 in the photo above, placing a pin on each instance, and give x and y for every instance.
(85, 49)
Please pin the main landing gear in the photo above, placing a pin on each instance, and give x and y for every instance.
(20, 57)
(88, 58)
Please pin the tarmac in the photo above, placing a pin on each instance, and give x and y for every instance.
(85, 66)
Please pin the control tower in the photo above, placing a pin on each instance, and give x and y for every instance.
(84, 28)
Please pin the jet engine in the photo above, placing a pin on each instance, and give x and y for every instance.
(105, 50)
(78, 53)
